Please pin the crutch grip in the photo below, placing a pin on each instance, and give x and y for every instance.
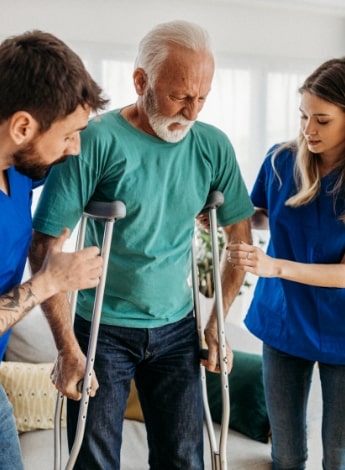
(214, 200)
(105, 210)
(80, 385)
(203, 354)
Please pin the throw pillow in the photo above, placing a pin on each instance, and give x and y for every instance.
(33, 396)
(31, 393)
(248, 414)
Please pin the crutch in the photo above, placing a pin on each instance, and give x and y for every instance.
(109, 212)
(218, 452)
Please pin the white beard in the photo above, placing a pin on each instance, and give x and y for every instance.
(160, 125)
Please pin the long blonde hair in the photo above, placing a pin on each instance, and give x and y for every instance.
(328, 83)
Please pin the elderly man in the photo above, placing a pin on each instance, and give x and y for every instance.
(156, 157)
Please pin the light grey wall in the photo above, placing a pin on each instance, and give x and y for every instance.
(256, 32)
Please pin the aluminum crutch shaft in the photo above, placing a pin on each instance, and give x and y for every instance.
(109, 212)
(219, 455)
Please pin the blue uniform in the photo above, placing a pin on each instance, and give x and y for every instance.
(15, 234)
(304, 321)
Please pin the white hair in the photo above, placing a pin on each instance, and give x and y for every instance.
(154, 47)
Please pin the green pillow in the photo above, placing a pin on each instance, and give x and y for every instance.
(248, 414)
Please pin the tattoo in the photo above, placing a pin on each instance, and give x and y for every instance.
(15, 305)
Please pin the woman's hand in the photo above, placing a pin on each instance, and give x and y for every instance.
(252, 259)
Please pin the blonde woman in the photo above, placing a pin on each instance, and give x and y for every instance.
(298, 306)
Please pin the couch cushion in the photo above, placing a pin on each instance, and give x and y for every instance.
(31, 340)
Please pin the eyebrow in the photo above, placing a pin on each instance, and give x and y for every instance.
(316, 114)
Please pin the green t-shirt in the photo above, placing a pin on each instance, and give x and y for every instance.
(164, 186)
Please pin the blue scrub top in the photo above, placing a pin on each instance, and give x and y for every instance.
(15, 234)
(301, 320)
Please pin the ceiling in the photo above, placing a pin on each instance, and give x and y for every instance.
(333, 7)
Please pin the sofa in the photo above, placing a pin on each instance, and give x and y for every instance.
(25, 377)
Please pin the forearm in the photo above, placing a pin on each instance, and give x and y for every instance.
(232, 280)
(57, 307)
(254, 260)
(16, 303)
(57, 310)
(321, 275)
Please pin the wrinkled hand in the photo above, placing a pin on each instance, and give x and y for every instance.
(251, 259)
(212, 363)
(71, 271)
(68, 371)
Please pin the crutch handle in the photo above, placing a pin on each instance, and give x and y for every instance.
(214, 200)
(203, 353)
(105, 210)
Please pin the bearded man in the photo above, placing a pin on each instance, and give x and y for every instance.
(46, 96)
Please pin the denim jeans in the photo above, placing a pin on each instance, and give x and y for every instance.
(10, 452)
(165, 365)
(287, 381)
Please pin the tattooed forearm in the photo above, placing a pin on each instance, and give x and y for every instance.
(15, 305)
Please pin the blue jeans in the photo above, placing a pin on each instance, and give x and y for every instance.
(10, 452)
(165, 365)
(287, 381)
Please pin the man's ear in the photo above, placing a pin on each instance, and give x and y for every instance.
(140, 80)
(22, 127)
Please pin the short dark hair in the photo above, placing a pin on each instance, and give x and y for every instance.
(40, 74)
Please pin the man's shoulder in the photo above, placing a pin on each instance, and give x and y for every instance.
(208, 129)
(206, 132)
(101, 128)
(105, 119)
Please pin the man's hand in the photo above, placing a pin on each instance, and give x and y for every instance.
(68, 372)
(64, 272)
(212, 363)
